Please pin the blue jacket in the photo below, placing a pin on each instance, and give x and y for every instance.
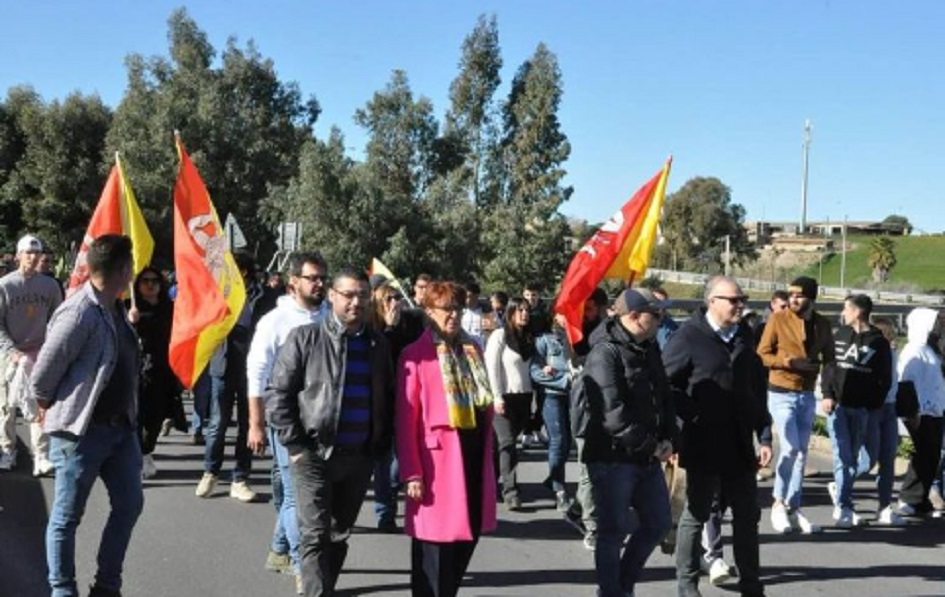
(550, 350)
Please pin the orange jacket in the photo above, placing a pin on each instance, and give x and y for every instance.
(783, 340)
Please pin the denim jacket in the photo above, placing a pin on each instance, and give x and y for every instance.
(550, 350)
(76, 362)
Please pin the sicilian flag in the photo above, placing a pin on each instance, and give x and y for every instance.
(210, 291)
(117, 212)
(379, 268)
(620, 249)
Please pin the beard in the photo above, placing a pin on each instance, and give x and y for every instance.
(314, 300)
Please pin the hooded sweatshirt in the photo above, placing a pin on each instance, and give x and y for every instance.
(271, 332)
(920, 364)
(861, 373)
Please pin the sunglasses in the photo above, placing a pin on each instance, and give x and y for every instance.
(735, 300)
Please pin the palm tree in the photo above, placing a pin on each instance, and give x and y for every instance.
(882, 257)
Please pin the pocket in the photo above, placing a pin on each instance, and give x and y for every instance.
(431, 440)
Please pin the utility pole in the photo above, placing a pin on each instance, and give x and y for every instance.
(728, 254)
(843, 254)
(806, 154)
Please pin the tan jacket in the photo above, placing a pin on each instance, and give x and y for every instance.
(783, 340)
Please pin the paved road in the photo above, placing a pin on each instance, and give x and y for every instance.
(215, 547)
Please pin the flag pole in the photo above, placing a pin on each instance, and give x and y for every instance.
(121, 208)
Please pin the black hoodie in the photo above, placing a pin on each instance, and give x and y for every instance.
(861, 373)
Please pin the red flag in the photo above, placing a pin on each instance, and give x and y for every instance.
(210, 291)
(619, 249)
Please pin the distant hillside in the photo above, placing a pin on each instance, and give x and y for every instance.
(920, 267)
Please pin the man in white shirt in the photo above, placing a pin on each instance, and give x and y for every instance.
(303, 304)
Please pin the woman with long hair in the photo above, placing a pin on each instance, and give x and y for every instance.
(401, 327)
(444, 443)
(508, 355)
(159, 391)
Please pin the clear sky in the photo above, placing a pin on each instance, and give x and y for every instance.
(723, 86)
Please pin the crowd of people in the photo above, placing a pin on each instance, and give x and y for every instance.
(347, 382)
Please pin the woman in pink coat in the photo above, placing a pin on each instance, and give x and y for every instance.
(444, 443)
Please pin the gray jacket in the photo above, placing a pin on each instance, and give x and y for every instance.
(76, 362)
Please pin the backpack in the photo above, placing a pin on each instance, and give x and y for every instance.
(579, 408)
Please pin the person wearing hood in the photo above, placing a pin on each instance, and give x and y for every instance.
(718, 384)
(853, 385)
(631, 431)
(920, 364)
(304, 304)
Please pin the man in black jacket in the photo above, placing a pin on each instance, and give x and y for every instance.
(718, 385)
(630, 431)
(855, 383)
(330, 401)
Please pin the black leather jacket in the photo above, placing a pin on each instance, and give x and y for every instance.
(630, 405)
(303, 400)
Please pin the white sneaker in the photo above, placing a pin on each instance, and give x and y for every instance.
(938, 513)
(206, 485)
(7, 461)
(843, 518)
(832, 490)
(890, 517)
(801, 523)
(241, 491)
(905, 509)
(719, 572)
(780, 521)
(42, 466)
(148, 468)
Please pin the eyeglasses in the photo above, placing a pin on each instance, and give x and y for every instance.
(150, 280)
(448, 308)
(735, 300)
(350, 295)
(314, 278)
(390, 298)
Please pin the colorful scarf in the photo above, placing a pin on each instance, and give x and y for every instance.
(465, 380)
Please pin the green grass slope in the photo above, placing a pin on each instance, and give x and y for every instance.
(920, 267)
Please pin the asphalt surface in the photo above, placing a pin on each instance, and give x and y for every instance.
(216, 547)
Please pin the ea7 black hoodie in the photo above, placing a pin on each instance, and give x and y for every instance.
(861, 373)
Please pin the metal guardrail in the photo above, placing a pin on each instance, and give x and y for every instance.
(748, 284)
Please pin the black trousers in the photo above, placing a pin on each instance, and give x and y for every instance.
(741, 493)
(518, 410)
(328, 495)
(927, 439)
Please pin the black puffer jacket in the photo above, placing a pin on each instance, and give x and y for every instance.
(303, 400)
(628, 398)
(720, 394)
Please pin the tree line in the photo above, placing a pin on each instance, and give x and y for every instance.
(474, 195)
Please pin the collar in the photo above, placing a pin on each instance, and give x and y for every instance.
(726, 334)
(344, 329)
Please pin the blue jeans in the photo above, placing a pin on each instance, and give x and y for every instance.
(225, 393)
(882, 441)
(847, 428)
(114, 454)
(556, 415)
(285, 535)
(617, 487)
(386, 486)
(792, 415)
(201, 393)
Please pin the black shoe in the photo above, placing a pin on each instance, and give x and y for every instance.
(99, 591)
(197, 439)
(574, 518)
(513, 503)
(388, 527)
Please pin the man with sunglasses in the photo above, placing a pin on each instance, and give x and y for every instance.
(719, 392)
(304, 304)
(330, 401)
(796, 342)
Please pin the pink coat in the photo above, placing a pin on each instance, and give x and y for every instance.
(429, 449)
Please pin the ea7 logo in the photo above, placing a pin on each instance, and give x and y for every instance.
(860, 355)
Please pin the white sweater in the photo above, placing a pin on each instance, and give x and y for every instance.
(271, 332)
(508, 372)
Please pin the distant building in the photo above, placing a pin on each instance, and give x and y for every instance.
(763, 232)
